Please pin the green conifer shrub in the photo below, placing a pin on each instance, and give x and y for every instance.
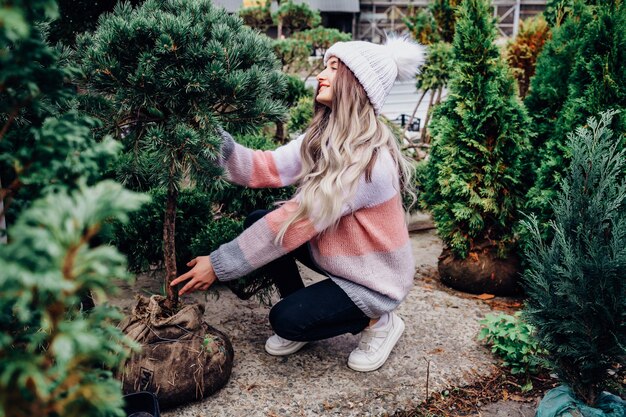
(44, 144)
(421, 25)
(258, 17)
(581, 72)
(301, 114)
(474, 180)
(174, 70)
(575, 281)
(55, 359)
(444, 13)
(294, 17)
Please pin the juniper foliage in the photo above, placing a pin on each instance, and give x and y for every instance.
(575, 282)
(474, 178)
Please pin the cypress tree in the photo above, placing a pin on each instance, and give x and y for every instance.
(575, 282)
(173, 71)
(474, 178)
(581, 72)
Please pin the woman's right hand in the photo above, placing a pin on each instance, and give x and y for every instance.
(200, 277)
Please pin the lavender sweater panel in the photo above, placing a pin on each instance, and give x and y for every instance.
(369, 251)
(260, 169)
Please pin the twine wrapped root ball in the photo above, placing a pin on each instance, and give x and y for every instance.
(182, 358)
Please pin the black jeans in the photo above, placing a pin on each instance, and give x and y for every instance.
(316, 312)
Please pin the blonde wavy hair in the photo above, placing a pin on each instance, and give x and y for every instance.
(340, 144)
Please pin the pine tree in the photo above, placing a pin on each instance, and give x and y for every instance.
(575, 282)
(174, 70)
(291, 17)
(582, 72)
(474, 177)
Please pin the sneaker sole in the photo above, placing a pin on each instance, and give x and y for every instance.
(284, 352)
(395, 336)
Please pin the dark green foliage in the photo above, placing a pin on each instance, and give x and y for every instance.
(43, 143)
(292, 53)
(474, 179)
(444, 13)
(78, 16)
(215, 233)
(173, 62)
(258, 17)
(514, 342)
(558, 11)
(422, 25)
(575, 282)
(301, 114)
(141, 238)
(437, 69)
(174, 70)
(291, 17)
(435, 23)
(295, 89)
(55, 359)
(581, 72)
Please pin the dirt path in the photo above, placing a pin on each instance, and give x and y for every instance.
(440, 334)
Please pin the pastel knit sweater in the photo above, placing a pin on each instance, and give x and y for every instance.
(368, 255)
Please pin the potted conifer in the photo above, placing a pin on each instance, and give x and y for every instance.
(473, 181)
(172, 72)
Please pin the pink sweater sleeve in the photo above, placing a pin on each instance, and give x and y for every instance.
(256, 246)
(260, 169)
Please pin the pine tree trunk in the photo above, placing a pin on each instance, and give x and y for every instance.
(279, 31)
(169, 245)
(281, 132)
(413, 115)
(425, 136)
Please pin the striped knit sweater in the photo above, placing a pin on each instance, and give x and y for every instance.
(368, 255)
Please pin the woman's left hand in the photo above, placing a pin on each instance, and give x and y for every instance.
(201, 276)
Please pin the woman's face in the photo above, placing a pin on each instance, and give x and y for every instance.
(325, 80)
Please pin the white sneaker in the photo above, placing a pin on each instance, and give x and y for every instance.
(278, 346)
(376, 345)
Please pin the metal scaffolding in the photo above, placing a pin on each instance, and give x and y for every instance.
(380, 16)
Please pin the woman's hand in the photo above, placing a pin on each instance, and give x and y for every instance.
(201, 276)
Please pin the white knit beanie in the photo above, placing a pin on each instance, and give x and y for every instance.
(378, 66)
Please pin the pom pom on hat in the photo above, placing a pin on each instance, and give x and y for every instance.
(378, 66)
(408, 55)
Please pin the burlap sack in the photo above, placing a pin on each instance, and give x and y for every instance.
(183, 359)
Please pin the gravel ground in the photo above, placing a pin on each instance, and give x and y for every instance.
(440, 337)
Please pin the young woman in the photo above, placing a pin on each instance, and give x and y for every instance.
(346, 220)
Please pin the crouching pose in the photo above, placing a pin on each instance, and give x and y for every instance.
(346, 219)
